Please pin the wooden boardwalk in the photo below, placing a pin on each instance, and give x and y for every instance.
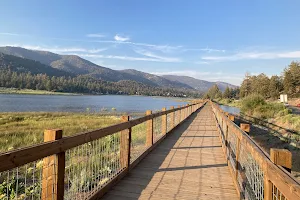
(188, 164)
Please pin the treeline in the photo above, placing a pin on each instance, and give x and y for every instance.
(288, 82)
(215, 93)
(85, 84)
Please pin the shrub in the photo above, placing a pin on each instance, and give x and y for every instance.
(251, 102)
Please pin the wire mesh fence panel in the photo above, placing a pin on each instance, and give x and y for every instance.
(276, 194)
(250, 176)
(92, 165)
(232, 142)
(157, 128)
(138, 141)
(177, 117)
(170, 121)
(34, 180)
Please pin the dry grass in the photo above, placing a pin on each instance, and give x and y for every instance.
(24, 129)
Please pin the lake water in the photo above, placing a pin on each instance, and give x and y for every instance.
(59, 103)
(232, 110)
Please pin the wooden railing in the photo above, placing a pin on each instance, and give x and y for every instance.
(254, 174)
(86, 165)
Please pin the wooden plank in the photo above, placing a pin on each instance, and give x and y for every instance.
(185, 173)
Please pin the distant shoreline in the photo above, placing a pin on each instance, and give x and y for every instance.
(45, 92)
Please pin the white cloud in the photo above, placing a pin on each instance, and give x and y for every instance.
(152, 55)
(95, 35)
(209, 50)
(121, 38)
(11, 34)
(254, 55)
(130, 58)
(57, 49)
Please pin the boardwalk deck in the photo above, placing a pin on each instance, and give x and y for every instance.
(188, 164)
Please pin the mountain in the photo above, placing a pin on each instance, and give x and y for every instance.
(71, 65)
(160, 81)
(78, 66)
(197, 84)
(23, 65)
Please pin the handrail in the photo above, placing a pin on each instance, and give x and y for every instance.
(54, 154)
(254, 174)
(19, 157)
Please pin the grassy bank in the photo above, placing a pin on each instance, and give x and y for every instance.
(28, 91)
(24, 129)
(229, 102)
(272, 111)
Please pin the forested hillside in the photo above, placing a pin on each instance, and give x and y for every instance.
(84, 84)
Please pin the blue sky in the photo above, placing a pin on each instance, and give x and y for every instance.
(210, 40)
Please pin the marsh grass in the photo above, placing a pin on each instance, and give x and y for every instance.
(24, 129)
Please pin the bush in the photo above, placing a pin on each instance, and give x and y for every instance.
(256, 106)
(251, 102)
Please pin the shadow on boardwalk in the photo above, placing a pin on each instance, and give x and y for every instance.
(188, 164)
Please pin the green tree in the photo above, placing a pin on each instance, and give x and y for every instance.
(291, 79)
(227, 93)
(275, 87)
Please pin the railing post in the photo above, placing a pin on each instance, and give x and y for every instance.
(231, 117)
(282, 157)
(125, 144)
(245, 127)
(172, 118)
(149, 138)
(268, 187)
(164, 123)
(53, 170)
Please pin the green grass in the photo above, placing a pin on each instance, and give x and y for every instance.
(229, 102)
(24, 129)
(29, 91)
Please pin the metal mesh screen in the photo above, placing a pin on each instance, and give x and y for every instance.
(177, 118)
(169, 122)
(157, 128)
(90, 166)
(250, 176)
(29, 181)
(138, 140)
(276, 194)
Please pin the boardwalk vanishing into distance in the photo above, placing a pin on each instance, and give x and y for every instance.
(188, 164)
(194, 151)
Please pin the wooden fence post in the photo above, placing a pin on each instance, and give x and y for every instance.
(53, 170)
(268, 187)
(231, 117)
(125, 144)
(282, 157)
(164, 123)
(172, 118)
(149, 137)
(245, 127)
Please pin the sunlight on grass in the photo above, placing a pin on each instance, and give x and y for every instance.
(24, 129)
